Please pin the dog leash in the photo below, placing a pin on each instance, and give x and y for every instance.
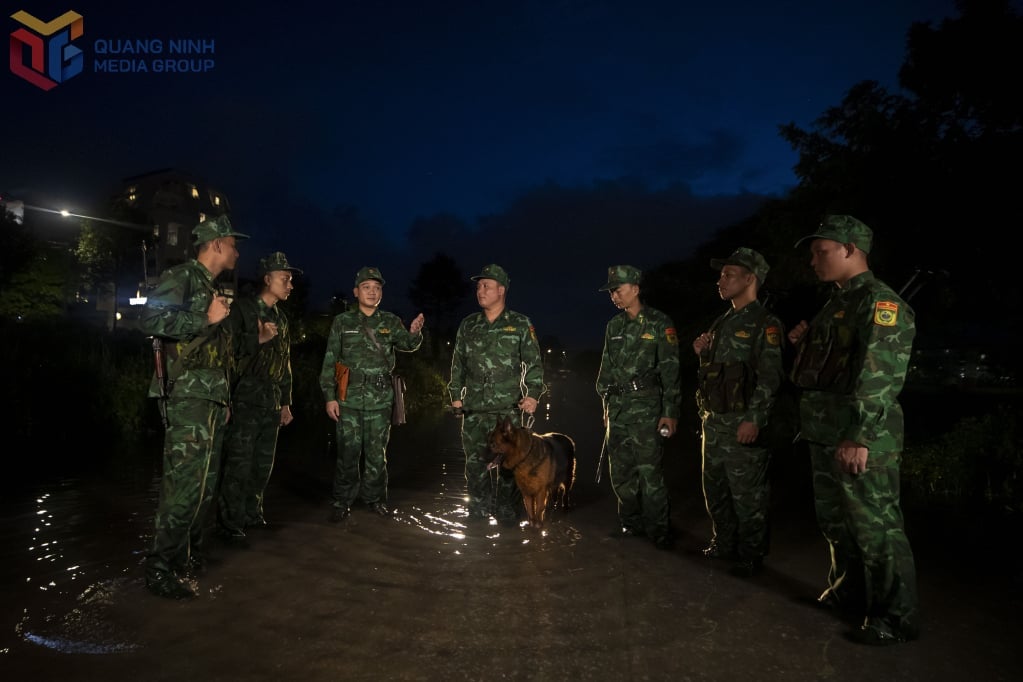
(524, 420)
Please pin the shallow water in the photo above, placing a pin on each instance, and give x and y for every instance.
(428, 595)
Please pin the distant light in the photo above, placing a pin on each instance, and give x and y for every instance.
(65, 213)
(137, 300)
(118, 316)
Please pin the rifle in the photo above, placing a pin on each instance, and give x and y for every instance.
(161, 379)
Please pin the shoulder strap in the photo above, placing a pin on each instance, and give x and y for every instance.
(373, 337)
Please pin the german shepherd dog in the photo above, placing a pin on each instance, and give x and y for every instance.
(543, 464)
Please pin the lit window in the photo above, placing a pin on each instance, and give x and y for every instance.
(216, 200)
(195, 192)
(131, 196)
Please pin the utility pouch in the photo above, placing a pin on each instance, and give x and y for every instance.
(342, 373)
(726, 387)
(398, 406)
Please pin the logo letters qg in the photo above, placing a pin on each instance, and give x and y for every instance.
(41, 51)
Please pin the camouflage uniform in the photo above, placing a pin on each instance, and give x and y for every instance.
(639, 384)
(851, 366)
(365, 424)
(739, 377)
(200, 361)
(494, 365)
(263, 387)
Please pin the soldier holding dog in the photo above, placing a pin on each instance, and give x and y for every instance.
(638, 382)
(739, 377)
(496, 373)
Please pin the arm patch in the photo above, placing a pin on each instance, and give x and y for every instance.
(886, 313)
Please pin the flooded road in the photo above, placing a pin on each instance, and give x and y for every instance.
(428, 595)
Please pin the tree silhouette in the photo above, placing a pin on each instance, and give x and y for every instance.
(438, 290)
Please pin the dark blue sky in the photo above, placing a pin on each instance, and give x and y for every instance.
(403, 110)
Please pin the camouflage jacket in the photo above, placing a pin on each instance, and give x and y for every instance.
(199, 356)
(264, 369)
(742, 371)
(851, 366)
(369, 385)
(495, 364)
(642, 350)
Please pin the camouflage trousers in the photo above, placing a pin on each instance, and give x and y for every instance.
(491, 492)
(362, 437)
(736, 488)
(635, 454)
(191, 461)
(249, 448)
(861, 519)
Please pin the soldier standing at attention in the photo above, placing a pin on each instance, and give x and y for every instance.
(638, 382)
(261, 400)
(185, 312)
(496, 372)
(851, 366)
(364, 340)
(739, 376)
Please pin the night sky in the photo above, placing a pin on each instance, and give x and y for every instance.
(555, 138)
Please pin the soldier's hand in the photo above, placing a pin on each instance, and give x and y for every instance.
(286, 417)
(219, 308)
(747, 433)
(267, 330)
(334, 410)
(851, 457)
(528, 405)
(417, 324)
(796, 333)
(702, 342)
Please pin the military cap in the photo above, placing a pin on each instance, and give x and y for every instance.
(276, 261)
(747, 258)
(494, 272)
(368, 273)
(844, 229)
(618, 275)
(215, 228)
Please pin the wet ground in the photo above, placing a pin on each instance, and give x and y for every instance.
(425, 596)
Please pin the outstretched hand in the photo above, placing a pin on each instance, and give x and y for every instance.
(417, 324)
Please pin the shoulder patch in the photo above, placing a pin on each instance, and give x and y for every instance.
(647, 336)
(886, 313)
(671, 335)
(742, 334)
(384, 330)
(773, 335)
(839, 315)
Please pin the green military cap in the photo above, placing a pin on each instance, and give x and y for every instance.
(215, 228)
(276, 261)
(844, 229)
(494, 272)
(618, 275)
(368, 273)
(747, 258)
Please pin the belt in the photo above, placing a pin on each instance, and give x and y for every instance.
(632, 386)
(378, 378)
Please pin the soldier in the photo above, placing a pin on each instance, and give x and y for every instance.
(638, 382)
(851, 366)
(739, 377)
(261, 399)
(363, 341)
(186, 312)
(496, 372)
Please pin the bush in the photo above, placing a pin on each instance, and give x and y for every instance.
(977, 462)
